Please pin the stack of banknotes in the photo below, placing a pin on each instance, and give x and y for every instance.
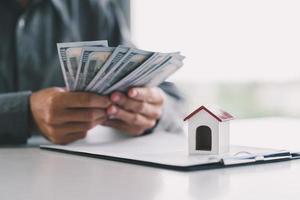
(95, 67)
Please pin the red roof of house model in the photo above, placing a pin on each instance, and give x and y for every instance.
(217, 113)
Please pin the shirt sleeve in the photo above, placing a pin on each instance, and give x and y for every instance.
(14, 117)
(173, 110)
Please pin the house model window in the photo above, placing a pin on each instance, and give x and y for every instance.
(208, 130)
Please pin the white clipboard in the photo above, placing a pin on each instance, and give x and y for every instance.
(165, 150)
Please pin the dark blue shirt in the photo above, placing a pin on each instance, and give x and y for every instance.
(28, 55)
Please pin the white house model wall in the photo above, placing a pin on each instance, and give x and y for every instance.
(218, 130)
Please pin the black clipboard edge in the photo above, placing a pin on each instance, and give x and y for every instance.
(164, 166)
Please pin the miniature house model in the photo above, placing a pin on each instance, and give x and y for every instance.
(208, 131)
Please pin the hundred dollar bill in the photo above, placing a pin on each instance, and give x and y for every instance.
(140, 73)
(156, 63)
(157, 74)
(115, 57)
(92, 61)
(156, 77)
(69, 72)
(131, 76)
(73, 58)
(133, 60)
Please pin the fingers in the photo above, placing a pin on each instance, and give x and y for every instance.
(82, 115)
(74, 115)
(142, 107)
(151, 95)
(83, 100)
(129, 129)
(73, 127)
(136, 113)
(133, 119)
(68, 138)
(73, 137)
(57, 113)
(64, 117)
(68, 132)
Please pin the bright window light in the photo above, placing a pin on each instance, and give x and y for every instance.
(223, 40)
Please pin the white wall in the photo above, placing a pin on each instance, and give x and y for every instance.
(227, 40)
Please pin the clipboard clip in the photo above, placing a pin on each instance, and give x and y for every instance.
(246, 157)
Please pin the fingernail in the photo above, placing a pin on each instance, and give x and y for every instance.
(111, 117)
(115, 98)
(112, 110)
(132, 93)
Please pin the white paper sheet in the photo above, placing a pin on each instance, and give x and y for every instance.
(159, 148)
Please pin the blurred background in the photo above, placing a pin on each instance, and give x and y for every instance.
(241, 55)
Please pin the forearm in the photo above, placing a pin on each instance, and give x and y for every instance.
(14, 117)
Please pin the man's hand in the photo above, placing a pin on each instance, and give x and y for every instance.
(63, 116)
(137, 111)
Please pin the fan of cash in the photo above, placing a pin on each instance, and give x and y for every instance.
(93, 66)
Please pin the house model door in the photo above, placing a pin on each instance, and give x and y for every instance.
(203, 138)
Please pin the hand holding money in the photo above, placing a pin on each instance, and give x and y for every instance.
(93, 67)
(63, 116)
(137, 111)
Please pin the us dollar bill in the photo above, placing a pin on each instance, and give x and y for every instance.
(92, 61)
(157, 73)
(131, 76)
(94, 67)
(73, 58)
(115, 57)
(133, 60)
(69, 72)
(160, 63)
(156, 77)
(140, 73)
